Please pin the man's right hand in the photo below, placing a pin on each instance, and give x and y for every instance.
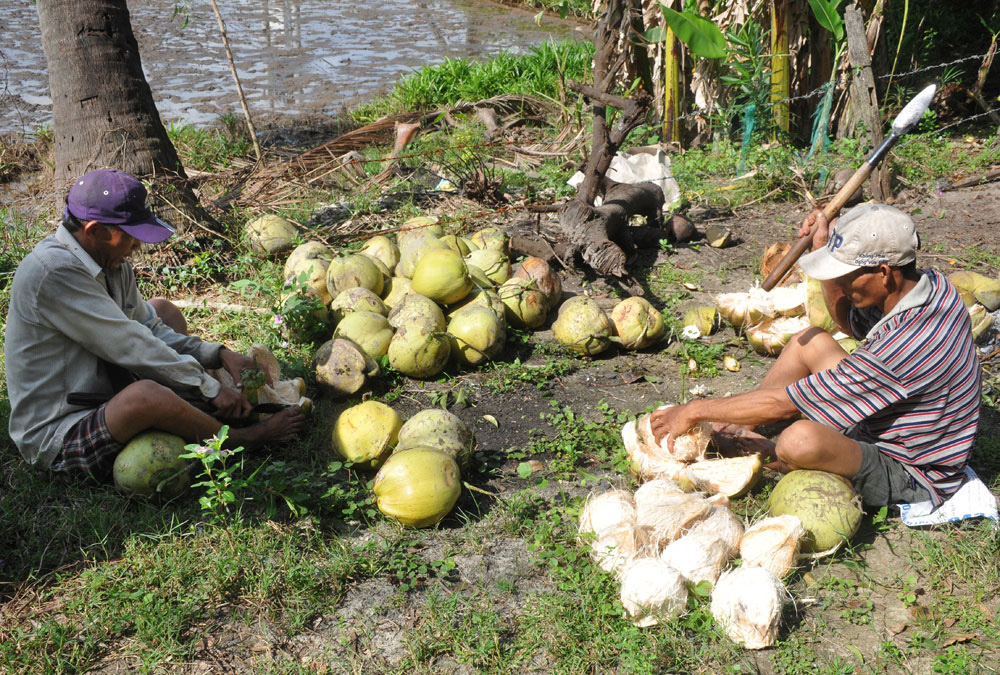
(817, 220)
(231, 404)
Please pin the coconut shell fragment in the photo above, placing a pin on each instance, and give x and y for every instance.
(773, 543)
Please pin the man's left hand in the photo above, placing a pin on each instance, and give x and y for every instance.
(235, 364)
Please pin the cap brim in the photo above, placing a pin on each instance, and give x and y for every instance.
(821, 265)
(151, 232)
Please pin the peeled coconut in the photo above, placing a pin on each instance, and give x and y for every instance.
(419, 350)
(494, 264)
(368, 330)
(150, 465)
(441, 430)
(417, 487)
(456, 244)
(383, 249)
(342, 368)
(770, 337)
(705, 319)
(773, 543)
(637, 323)
(526, 306)
(546, 279)
(663, 512)
(366, 433)
(982, 288)
(790, 300)
(742, 310)
(356, 300)
(413, 249)
(698, 556)
(416, 308)
(827, 505)
(442, 276)
(746, 603)
(476, 334)
(582, 326)
(652, 590)
(492, 238)
(647, 464)
(310, 261)
(730, 476)
(270, 234)
(351, 271)
(395, 289)
(690, 446)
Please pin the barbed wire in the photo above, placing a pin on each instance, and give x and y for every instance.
(891, 76)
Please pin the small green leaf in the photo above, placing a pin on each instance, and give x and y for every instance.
(700, 35)
(524, 469)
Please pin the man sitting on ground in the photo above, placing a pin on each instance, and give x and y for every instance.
(77, 323)
(897, 417)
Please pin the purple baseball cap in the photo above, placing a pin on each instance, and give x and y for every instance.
(113, 197)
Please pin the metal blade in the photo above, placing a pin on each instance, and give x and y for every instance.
(913, 111)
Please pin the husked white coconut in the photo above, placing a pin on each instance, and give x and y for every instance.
(663, 512)
(652, 590)
(646, 464)
(689, 447)
(724, 525)
(773, 543)
(607, 510)
(742, 310)
(616, 547)
(746, 603)
(699, 556)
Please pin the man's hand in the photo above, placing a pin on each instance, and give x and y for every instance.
(671, 423)
(817, 220)
(231, 404)
(235, 364)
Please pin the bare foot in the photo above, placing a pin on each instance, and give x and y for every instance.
(779, 466)
(277, 428)
(734, 440)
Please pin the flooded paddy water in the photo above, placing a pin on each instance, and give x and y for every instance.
(294, 57)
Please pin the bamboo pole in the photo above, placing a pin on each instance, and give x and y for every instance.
(671, 87)
(236, 78)
(780, 80)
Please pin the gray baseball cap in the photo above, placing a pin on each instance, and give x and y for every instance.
(868, 235)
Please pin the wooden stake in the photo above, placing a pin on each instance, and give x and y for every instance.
(864, 99)
(780, 75)
(236, 77)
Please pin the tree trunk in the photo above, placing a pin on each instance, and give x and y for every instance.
(103, 114)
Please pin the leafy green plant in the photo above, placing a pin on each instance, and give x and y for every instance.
(300, 314)
(222, 471)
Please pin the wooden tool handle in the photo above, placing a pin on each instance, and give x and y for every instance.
(830, 211)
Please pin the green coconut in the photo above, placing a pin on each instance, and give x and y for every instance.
(419, 350)
(356, 300)
(442, 276)
(472, 246)
(816, 310)
(637, 323)
(386, 272)
(413, 249)
(352, 271)
(827, 505)
(395, 289)
(366, 433)
(342, 368)
(418, 226)
(384, 249)
(417, 487)
(270, 234)
(485, 297)
(457, 244)
(494, 264)
(368, 330)
(476, 334)
(479, 277)
(150, 466)
(441, 430)
(582, 326)
(546, 279)
(984, 290)
(705, 318)
(491, 237)
(981, 321)
(527, 307)
(310, 261)
(416, 308)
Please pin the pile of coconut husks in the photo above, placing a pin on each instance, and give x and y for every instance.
(676, 530)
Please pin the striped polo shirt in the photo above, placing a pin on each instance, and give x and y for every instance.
(913, 387)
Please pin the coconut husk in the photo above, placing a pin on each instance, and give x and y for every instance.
(664, 513)
(652, 590)
(774, 254)
(698, 556)
(649, 465)
(747, 603)
(773, 543)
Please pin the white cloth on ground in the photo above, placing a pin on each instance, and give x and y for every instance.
(972, 500)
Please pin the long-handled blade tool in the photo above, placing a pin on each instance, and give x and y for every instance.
(904, 122)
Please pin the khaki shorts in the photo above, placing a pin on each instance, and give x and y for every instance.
(882, 480)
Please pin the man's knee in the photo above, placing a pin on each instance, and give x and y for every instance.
(146, 395)
(799, 445)
(169, 314)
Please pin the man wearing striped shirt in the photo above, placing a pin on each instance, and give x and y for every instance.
(897, 417)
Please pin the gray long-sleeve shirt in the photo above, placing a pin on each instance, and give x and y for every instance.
(67, 317)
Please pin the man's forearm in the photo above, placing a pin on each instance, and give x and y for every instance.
(761, 406)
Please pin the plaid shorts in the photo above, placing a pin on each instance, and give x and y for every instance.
(88, 448)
